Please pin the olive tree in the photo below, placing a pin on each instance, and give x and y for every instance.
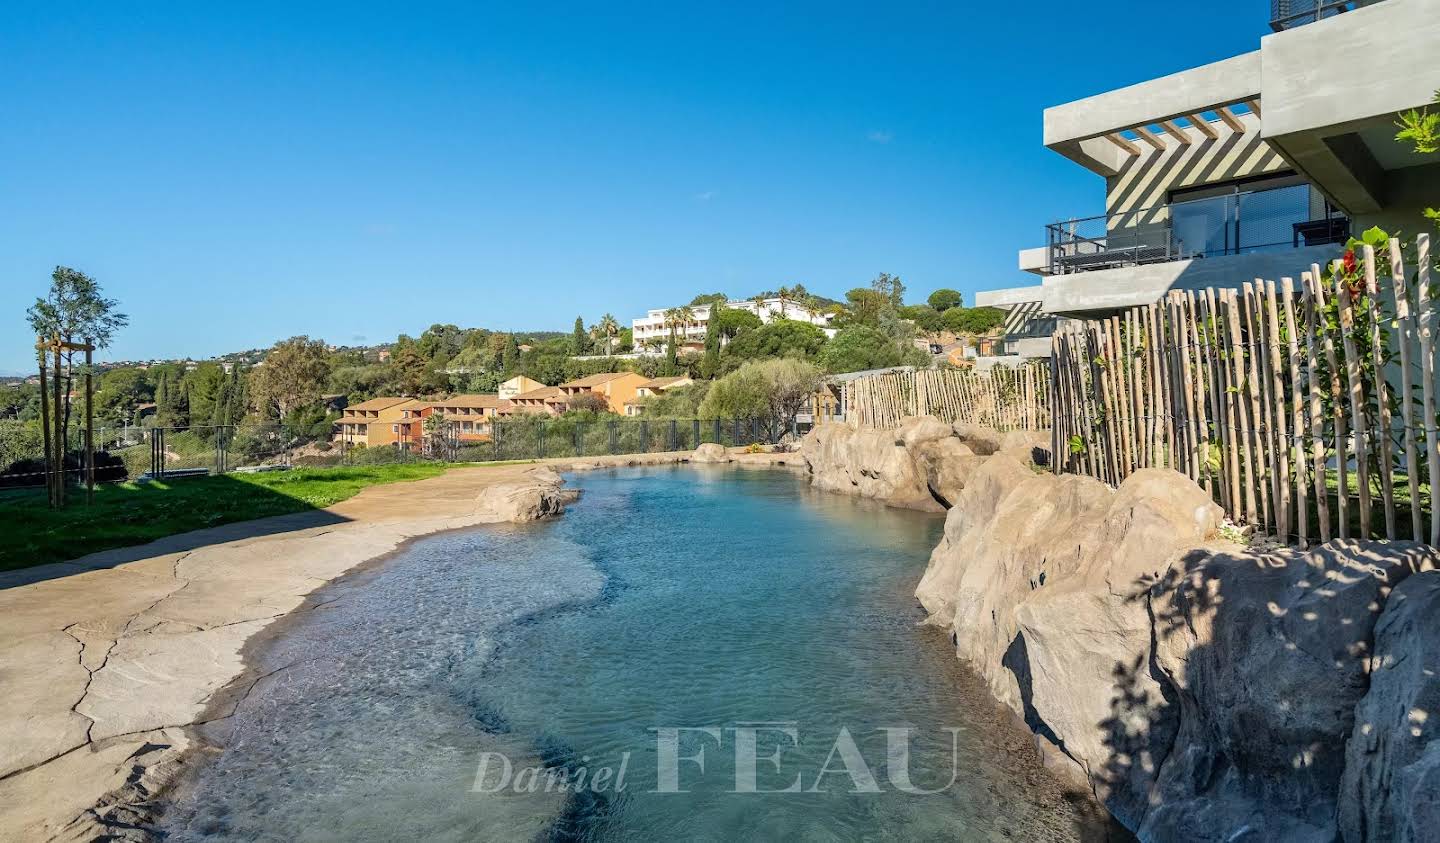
(770, 391)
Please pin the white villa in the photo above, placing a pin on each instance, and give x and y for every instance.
(652, 328)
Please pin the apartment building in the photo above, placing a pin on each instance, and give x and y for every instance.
(654, 328)
(617, 388)
(373, 422)
(517, 385)
(549, 400)
(1251, 167)
(651, 388)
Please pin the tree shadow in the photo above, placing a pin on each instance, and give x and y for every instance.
(130, 523)
(1261, 660)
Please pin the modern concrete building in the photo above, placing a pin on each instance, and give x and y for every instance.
(653, 327)
(1252, 167)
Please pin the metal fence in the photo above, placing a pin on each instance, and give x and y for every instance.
(138, 453)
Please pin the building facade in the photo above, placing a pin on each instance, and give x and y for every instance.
(654, 329)
(1252, 167)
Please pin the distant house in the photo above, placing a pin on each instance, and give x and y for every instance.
(469, 416)
(335, 403)
(371, 423)
(651, 388)
(516, 385)
(550, 400)
(617, 388)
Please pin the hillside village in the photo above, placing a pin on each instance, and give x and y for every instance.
(458, 381)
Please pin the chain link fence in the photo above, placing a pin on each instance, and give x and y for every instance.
(142, 453)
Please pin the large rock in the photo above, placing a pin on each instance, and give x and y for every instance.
(1268, 655)
(948, 464)
(873, 463)
(1042, 580)
(710, 452)
(1391, 787)
(539, 494)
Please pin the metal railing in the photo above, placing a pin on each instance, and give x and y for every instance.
(1288, 14)
(1230, 224)
(154, 453)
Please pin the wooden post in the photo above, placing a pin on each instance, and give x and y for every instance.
(1427, 375)
(1314, 297)
(1382, 400)
(1297, 414)
(1337, 404)
(59, 420)
(1239, 407)
(1357, 397)
(45, 429)
(89, 425)
(1406, 331)
(1278, 414)
(1258, 427)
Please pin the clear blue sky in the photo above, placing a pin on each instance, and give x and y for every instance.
(243, 174)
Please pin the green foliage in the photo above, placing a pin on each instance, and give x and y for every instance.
(973, 320)
(579, 341)
(681, 402)
(925, 317)
(709, 298)
(860, 347)
(294, 374)
(770, 390)
(778, 338)
(730, 322)
(943, 299)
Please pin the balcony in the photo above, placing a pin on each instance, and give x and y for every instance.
(1288, 14)
(1231, 223)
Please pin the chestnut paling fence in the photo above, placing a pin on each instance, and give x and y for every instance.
(1305, 409)
(1003, 398)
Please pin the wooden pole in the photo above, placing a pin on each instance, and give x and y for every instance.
(1314, 298)
(45, 429)
(1281, 437)
(1239, 407)
(1297, 414)
(1357, 397)
(1337, 405)
(1258, 428)
(59, 420)
(1427, 375)
(89, 425)
(1382, 399)
(1408, 428)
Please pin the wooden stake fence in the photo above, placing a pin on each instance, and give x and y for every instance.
(1002, 398)
(1306, 410)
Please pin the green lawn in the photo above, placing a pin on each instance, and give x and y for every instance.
(128, 513)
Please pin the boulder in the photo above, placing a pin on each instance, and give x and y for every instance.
(1391, 786)
(872, 463)
(1268, 655)
(710, 452)
(982, 440)
(539, 494)
(948, 464)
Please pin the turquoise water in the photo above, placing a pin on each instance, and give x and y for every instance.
(668, 597)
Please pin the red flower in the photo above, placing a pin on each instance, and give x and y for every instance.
(1349, 260)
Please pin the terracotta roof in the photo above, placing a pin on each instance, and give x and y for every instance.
(544, 393)
(596, 380)
(662, 383)
(476, 400)
(377, 404)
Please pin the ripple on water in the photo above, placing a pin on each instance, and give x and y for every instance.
(669, 597)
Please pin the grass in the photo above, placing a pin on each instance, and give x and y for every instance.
(124, 514)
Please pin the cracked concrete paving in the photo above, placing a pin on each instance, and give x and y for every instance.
(105, 660)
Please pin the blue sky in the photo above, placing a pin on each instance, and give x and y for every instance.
(242, 174)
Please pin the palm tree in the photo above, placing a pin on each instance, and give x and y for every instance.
(785, 295)
(610, 328)
(759, 300)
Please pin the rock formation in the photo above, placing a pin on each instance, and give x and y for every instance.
(1207, 692)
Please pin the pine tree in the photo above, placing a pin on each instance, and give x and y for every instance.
(578, 338)
(510, 363)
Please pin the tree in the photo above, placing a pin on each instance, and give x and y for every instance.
(860, 347)
(588, 402)
(710, 299)
(680, 402)
(578, 340)
(436, 430)
(772, 391)
(973, 320)
(865, 306)
(610, 328)
(778, 338)
(75, 310)
(943, 299)
(510, 360)
(890, 288)
(203, 386)
(293, 374)
(121, 392)
(925, 317)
